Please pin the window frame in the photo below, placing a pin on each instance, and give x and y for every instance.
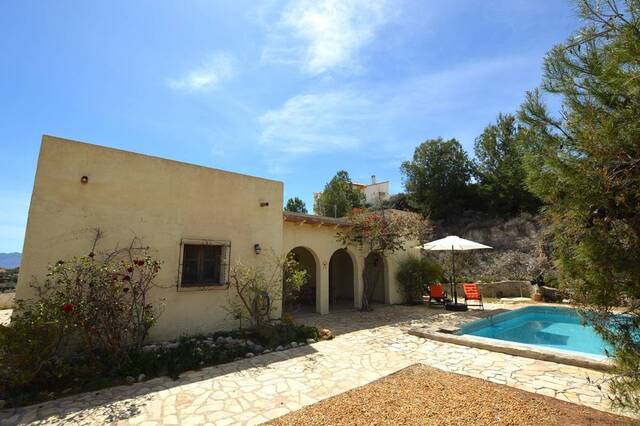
(225, 261)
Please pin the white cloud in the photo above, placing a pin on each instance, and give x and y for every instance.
(315, 123)
(216, 68)
(325, 34)
(386, 121)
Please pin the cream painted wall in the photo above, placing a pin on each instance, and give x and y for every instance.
(160, 201)
(321, 241)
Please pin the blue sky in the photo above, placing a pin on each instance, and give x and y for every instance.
(292, 91)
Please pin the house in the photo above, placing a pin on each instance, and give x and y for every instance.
(187, 214)
(375, 193)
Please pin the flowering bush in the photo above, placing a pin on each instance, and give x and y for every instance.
(99, 303)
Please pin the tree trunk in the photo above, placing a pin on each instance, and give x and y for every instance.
(369, 283)
(365, 289)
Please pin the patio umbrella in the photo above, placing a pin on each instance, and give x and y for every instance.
(453, 244)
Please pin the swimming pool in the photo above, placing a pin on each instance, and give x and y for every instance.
(558, 328)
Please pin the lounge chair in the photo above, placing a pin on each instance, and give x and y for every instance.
(472, 292)
(437, 294)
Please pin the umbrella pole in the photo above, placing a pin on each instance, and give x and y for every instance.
(453, 280)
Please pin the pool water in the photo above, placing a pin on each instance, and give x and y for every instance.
(545, 326)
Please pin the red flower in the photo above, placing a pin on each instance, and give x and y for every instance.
(67, 308)
(126, 278)
(129, 269)
(92, 255)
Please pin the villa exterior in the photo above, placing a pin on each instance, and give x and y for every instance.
(197, 221)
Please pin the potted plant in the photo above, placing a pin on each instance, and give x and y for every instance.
(538, 282)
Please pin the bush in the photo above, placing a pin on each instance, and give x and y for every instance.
(102, 302)
(283, 334)
(415, 274)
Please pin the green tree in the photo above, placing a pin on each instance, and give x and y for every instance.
(339, 197)
(400, 201)
(584, 164)
(438, 178)
(500, 170)
(295, 205)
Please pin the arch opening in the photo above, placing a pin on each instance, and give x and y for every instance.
(306, 299)
(341, 280)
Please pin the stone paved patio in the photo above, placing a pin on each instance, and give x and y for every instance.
(368, 346)
(5, 316)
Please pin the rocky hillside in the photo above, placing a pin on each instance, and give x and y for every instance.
(519, 249)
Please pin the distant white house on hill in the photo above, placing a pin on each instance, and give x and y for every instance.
(374, 192)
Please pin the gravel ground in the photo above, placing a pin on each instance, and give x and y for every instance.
(420, 395)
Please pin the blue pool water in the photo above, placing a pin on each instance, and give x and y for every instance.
(549, 327)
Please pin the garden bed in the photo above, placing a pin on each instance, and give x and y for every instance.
(421, 395)
(171, 358)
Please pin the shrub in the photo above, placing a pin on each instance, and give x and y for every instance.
(283, 334)
(25, 349)
(102, 301)
(255, 289)
(415, 274)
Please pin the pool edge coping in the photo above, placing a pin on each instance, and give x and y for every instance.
(516, 349)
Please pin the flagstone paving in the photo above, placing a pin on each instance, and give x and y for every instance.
(368, 346)
(5, 316)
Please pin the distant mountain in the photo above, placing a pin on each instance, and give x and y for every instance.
(10, 260)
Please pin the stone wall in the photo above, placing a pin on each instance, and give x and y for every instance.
(503, 289)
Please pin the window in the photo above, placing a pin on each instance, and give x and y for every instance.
(204, 263)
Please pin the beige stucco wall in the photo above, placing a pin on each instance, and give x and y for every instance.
(160, 201)
(321, 241)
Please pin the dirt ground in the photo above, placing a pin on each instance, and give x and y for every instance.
(420, 395)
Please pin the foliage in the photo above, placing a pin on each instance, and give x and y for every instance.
(26, 347)
(295, 205)
(499, 168)
(294, 277)
(64, 376)
(438, 178)
(381, 233)
(339, 197)
(415, 273)
(8, 279)
(102, 300)
(584, 164)
(255, 289)
(283, 334)
(400, 201)
(94, 307)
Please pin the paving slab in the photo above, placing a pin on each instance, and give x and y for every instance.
(367, 346)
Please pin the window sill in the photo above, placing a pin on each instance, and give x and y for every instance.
(204, 287)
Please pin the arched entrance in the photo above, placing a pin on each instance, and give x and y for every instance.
(341, 280)
(307, 298)
(377, 277)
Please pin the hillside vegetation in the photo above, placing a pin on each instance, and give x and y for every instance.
(519, 249)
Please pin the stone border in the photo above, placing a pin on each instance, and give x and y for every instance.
(517, 349)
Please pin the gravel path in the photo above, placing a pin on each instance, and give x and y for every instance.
(421, 395)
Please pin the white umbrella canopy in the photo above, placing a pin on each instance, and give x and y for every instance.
(453, 243)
